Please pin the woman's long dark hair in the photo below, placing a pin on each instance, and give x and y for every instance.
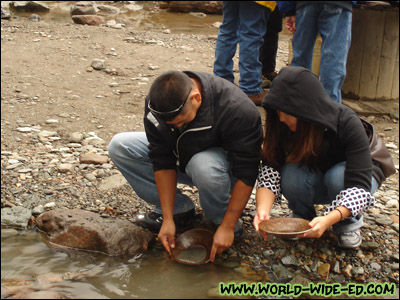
(282, 146)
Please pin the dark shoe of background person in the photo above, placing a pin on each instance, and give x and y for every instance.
(153, 221)
(270, 76)
(257, 99)
(266, 84)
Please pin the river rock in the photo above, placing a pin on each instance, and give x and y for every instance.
(88, 20)
(282, 273)
(82, 9)
(28, 6)
(16, 216)
(92, 158)
(114, 181)
(88, 231)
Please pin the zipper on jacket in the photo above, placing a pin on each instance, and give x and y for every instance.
(189, 130)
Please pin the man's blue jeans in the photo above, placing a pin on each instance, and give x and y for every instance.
(207, 170)
(244, 22)
(303, 188)
(334, 25)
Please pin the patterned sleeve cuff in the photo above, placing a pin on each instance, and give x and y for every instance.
(271, 179)
(355, 199)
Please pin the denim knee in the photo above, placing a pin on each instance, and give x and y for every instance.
(115, 146)
(334, 180)
(208, 170)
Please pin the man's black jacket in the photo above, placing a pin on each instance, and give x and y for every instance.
(227, 118)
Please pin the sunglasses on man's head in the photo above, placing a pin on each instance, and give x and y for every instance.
(168, 115)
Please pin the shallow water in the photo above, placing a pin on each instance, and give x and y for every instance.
(27, 261)
(146, 18)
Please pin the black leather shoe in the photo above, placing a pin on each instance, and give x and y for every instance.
(153, 221)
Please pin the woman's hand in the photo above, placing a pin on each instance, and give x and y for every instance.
(318, 225)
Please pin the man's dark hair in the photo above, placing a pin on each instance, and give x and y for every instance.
(169, 90)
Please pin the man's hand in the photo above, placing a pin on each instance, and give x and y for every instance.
(259, 217)
(223, 239)
(290, 23)
(167, 235)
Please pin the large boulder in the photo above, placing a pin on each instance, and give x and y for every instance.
(28, 6)
(88, 231)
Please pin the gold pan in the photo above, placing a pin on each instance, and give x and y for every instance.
(285, 227)
(193, 247)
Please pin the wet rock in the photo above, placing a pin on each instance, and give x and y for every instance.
(323, 270)
(347, 271)
(16, 216)
(88, 231)
(39, 295)
(369, 245)
(290, 260)
(282, 273)
(384, 220)
(376, 266)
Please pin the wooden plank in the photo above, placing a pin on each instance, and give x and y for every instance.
(388, 56)
(395, 87)
(351, 85)
(374, 21)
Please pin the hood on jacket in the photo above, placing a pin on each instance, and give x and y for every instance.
(298, 92)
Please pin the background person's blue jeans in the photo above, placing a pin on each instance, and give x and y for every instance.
(334, 25)
(207, 170)
(244, 22)
(303, 188)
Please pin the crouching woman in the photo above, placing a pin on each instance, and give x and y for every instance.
(315, 151)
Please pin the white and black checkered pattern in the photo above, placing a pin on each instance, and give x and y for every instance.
(271, 179)
(357, 200)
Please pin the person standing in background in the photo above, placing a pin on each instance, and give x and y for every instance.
(269, 47)
(332, 20)
(244, 23)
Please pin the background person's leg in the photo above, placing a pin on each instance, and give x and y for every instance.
(228, 38)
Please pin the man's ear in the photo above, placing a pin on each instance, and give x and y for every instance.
(197, 97)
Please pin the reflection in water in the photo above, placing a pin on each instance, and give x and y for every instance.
(27, 264)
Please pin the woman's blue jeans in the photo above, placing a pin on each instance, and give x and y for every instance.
(303, 188)
(334, 25)
(207, 170)
(244, 23)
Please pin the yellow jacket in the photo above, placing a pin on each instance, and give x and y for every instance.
(269, 4)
